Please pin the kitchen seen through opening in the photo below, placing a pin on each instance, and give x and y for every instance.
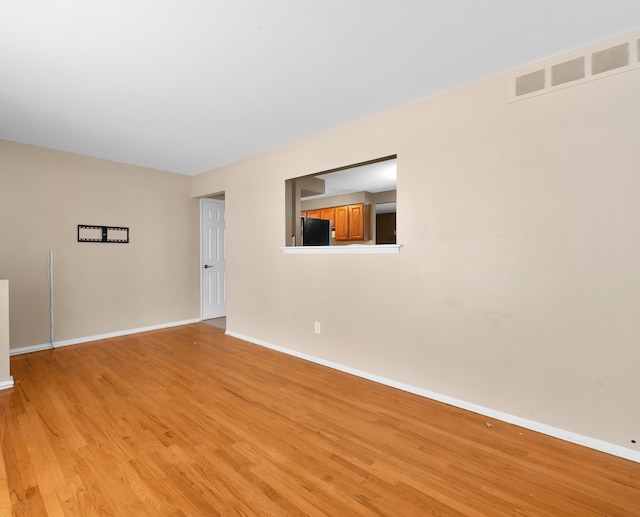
(354, 205)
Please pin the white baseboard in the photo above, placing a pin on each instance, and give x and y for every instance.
(68, 342)
(7, 384)
(569, 436)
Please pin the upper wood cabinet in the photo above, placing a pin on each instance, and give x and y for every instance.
(350, 222)
(342, 223)
(329, 214)
(359, 222)
(353, 222)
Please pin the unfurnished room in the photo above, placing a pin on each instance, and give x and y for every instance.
(290, 258)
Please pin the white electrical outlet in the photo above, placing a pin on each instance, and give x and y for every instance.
(316, 327)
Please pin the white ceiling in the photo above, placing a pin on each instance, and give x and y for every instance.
(188, 86)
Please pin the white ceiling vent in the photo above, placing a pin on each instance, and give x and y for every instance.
(572, 69)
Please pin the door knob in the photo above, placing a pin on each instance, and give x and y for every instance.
(206, 266)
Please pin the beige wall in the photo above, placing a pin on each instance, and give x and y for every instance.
(517, 286)
(99, 288)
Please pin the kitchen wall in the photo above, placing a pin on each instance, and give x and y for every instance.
(99, 288)
(352, 198)
(517, 285)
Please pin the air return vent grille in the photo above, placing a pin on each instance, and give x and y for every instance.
(610, 59)
(594, 62)
(568, 71)
(531, 82)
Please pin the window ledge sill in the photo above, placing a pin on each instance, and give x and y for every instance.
(350, 249)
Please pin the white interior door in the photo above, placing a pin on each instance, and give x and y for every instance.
(213, 290)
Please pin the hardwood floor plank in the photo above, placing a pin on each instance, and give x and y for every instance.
(187, 421)
(5, 496)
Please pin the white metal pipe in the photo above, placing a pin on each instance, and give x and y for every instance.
(51, 320)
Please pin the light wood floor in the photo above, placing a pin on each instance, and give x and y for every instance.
(188, 421)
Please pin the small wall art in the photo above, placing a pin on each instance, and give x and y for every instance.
(94, 233)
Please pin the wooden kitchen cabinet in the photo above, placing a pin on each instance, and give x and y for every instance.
(342, 223)
(359, 222)
(329, 214)
(350, 222)
(353, 222)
